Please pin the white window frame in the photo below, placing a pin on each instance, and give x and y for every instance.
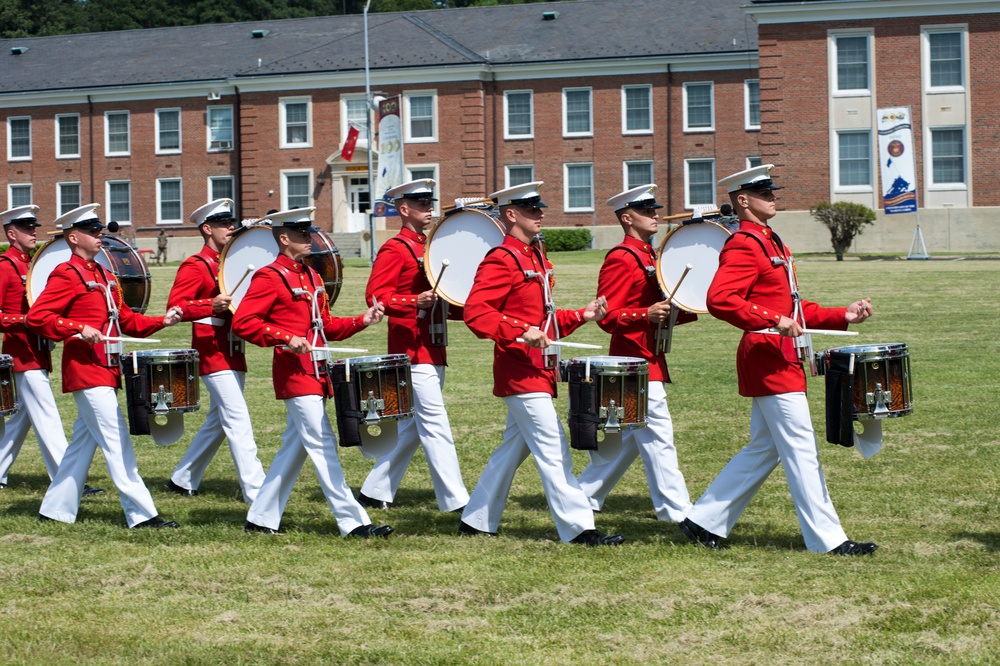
(833, 36)
(58, 137)
(649, 108)
(872, 163)
(107, 134)
(434, 169)
(508, 167)
(407, 116)
(159, 201)
(925, 56)
(625, 165)
(345, 125)
(565, 112)
(531, 113)
(107, 200)
(285, 174)
(579, 209)
(208, 129)
(750, 161)
(687, 183)
(10, 192)
(283, 103)
(929, 160)
(211, 180)
(10, 155)
(711, 97)
(180, 136)
(59, 195)
(747, 123)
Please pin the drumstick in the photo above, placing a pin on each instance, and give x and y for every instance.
(687, 269)
(562, 343)
(662, 342)
(250, 269)
(122, 339)
(807, 331)
(339, 350)
(437, 283)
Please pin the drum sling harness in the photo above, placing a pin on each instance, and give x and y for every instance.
(44, 344)
(438, 328)
(236, 344)
(317, 338)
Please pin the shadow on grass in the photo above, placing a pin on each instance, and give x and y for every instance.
(989, 539)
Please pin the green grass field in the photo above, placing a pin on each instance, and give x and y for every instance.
(95, 592)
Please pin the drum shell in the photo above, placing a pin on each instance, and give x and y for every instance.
(130, 269)
(325, 260)
(176, 370)
(8, 389)
(380, 377)
(886, 365)
(623, 379)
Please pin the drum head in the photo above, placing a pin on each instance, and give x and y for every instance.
(698, 244)
(463, 239)
(255, 247)
(50, 255)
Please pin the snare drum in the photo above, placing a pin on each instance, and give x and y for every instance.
(381, 384)
(171, 378)
(606, 393)
(462, 238)
(698, 244)
(8, 389)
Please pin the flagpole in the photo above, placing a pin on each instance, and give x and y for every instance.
(368, 115)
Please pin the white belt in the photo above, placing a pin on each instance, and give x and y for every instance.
(211, 321)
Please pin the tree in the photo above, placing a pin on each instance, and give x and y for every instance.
(845, 221)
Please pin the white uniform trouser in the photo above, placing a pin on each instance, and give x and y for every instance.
(532, 427)
(228, 418)
(36, 407)
(780, 431)
(655, 443)
(99, 422)
(307, 432)
(428, 427)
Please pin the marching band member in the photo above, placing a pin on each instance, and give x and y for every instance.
(287, 308)
(32, 355)
(511, 299)
(636, 310)
(755, 288)
(221, 362)
(398, 281)
(83, 306)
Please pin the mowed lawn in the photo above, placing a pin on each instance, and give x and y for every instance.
(95, 592)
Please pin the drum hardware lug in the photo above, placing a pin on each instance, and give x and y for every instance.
(163, 401)
(373, 405)
(879, 399)
(612, 414)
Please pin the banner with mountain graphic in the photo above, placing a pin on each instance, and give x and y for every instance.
(895, 151)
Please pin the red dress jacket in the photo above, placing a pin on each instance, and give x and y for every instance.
(397, 278)
(502, 305)
(28, 350)
(270, 314)
(67, 304)
(751, 292)
(196, 284)
(628, 281)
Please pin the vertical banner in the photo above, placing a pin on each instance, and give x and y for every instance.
(895, 151)
(390, 155)
(347, 152)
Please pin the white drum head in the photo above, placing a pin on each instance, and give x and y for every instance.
(50, 255)
(698, 244)
(463, 239)
(253, 247)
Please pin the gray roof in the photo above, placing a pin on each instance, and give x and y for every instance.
(500, 35)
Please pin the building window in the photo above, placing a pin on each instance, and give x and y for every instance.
(948, 156)
(852, 63)
(854, 160)
(19, 195)
(120, 201)
(69, 197)
(638, 173)
(699, 114)
(520, 174)
(220, 128)
(19, 138)
(296, 189)
(751, 97)
(168, 201)
(753, 162)
(518, 114)
(579, 192)
(577, 118)
(699, 183)
(421, 126)
(354, 112)
(168, 130)
(68, 139)
(637, 109)
(296, 129)
(946, 59)
(221, 187)
(116, 133)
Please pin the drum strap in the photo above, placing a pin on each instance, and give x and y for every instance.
(213, 268)
(650, 270)
(409, 246)
(17, 269)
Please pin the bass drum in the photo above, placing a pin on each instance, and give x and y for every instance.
(325, 260)
(117, 255)
(463, 239)
(698, 244)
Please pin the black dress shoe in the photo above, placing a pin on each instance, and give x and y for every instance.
(372, 503)
(254, 527)
(174, 488)
(369, 531)
(2, 486)
(699, 534)
(91, 490)
(157, 523)
(598, 538)
(464, 529)
(460, 510)
(854, 548)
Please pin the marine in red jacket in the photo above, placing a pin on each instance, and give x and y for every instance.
(753, 290)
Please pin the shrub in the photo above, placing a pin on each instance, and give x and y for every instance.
(845, 221)
(566, 240)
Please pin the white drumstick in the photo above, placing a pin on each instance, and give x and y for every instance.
(250, 269)
(339, 350)
(687, 269)
(807, 331)
(122, 339)
(562, 343)
(437, 283)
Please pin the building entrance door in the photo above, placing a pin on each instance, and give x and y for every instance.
(359, 201)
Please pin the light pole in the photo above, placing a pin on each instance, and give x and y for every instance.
(368, 115)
